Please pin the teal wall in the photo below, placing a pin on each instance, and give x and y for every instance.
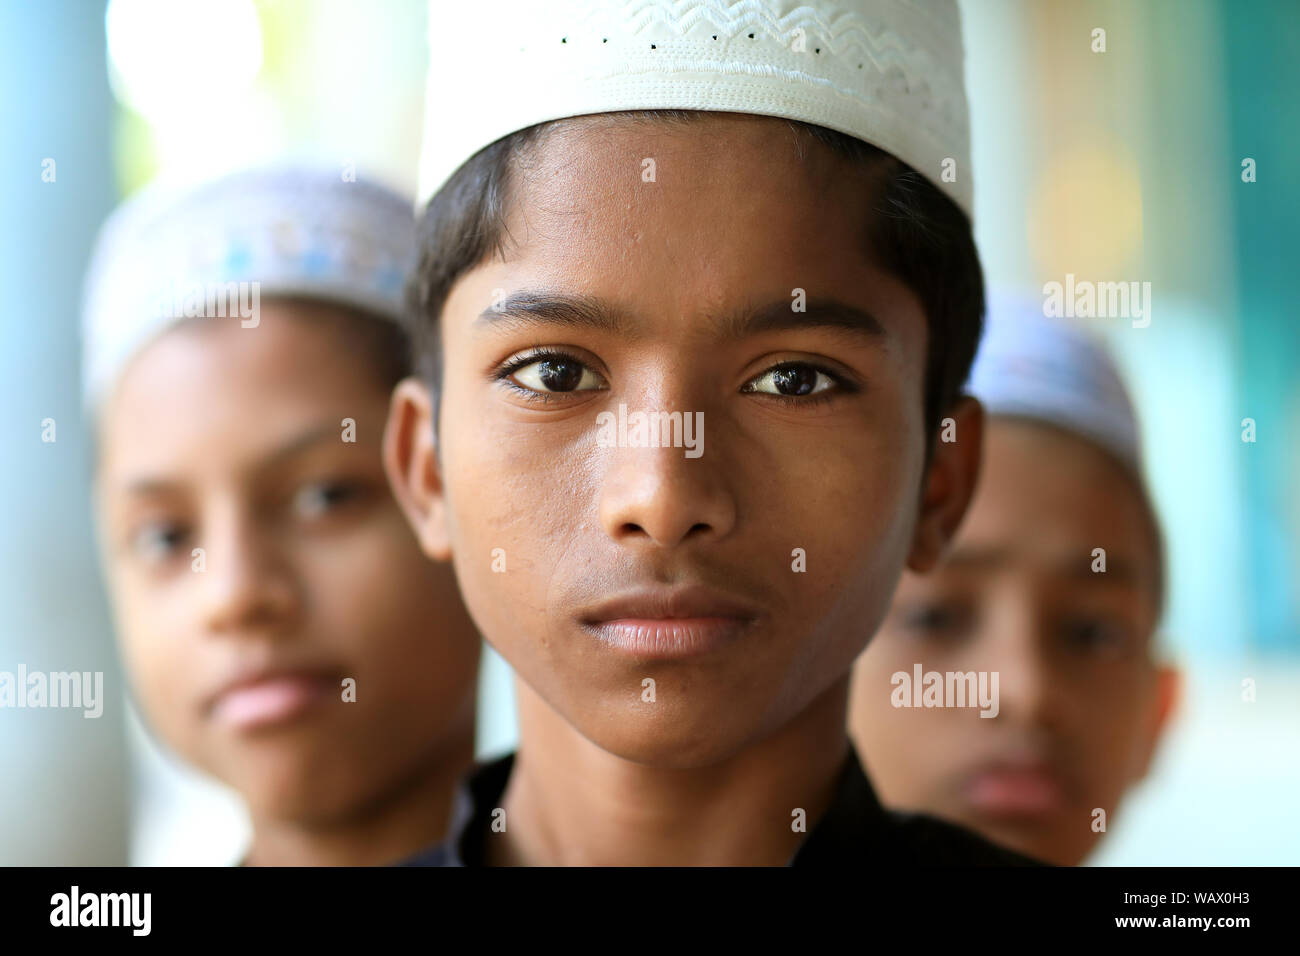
(1262, 45)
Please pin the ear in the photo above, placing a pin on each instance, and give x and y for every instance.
(411, 461)
(949, 482)
(1163, 705)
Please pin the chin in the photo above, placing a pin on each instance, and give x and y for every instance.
(664, 740)
(301, 803)
(1042, 841)
(298, 792)
(664, 754)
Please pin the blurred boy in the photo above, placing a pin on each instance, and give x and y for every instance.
(280, 627)
(683, 608)
(1026, 592)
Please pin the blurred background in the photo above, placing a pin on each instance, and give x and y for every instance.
(1119, 165)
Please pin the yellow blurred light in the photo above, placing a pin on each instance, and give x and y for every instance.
(1085, 214)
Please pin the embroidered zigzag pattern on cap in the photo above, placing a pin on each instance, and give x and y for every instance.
(886, 71)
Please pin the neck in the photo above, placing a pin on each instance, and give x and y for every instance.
(411, 817)
(570, 803)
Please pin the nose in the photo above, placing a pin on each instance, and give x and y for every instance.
(246, 585)
(1029, 693)
(662, 497)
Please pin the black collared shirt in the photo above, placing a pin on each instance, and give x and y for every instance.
(855, 831)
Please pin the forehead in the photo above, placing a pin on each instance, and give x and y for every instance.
(209, 390)
(1048, 497)
(671, 223)
(671, 190)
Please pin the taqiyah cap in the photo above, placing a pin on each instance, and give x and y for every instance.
(1051, 370)
(293, 229)
(889, 72)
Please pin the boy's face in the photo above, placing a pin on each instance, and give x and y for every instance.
(595, 569)
(1080, 701)
(231, 440)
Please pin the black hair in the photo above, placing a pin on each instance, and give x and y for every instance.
(916, 233)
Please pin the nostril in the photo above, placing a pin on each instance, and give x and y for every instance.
(631, 529)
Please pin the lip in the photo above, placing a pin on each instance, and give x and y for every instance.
(1015, 790)
(669, 623)
(269, 697)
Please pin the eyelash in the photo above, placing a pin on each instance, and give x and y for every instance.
(540, 353)
(176, 529)
(842, 385)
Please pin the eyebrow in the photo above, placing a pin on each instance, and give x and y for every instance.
(529, 307)
(819, 314)
(304, 440)
(309, 438)
(1119, 570)
(1070, 566)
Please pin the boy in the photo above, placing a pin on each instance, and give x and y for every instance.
(1024, 594)
(683, 610)
(281, 628)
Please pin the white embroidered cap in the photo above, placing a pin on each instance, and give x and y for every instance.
(1053, 371)
(294, 230)
(888, 72)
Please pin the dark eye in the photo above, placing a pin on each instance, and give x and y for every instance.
(320, 497)
(937, 620)
(793, 380)
(1093, 635)
(558, 373)
(157, 541)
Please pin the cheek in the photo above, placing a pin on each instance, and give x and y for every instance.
(155, 628)
(1109, 734)
(859, 518)
(911, 753)
(873, 687)
(373, 591)
(852, 507)
(348, 577)
(516, 501)
(398, 629)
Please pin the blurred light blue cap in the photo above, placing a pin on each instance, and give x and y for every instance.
(295, 230)
(1053, 371)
